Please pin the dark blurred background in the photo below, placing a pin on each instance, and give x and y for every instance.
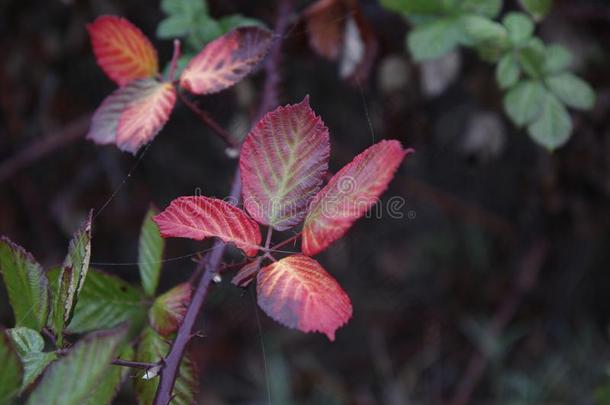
(496, 276)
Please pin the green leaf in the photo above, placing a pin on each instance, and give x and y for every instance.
(572, 90)
(557, 58)
(72, 379)
(483, 30)
(532, 58)
(434, 39)
(233, 21)
(105, 302)
(554, 126)
(524, 102)
(519, 27)
(508, 70)
(26, 285)
(26, 340)
(150, 253)
(487, 8)
(151, 349)
(29, 345)
(174, 26)
(417, 6)
(71, 278)
(537, 8)
(109, 384)
(186, 7)
(168, 310)
(11, 371)
(205, 29)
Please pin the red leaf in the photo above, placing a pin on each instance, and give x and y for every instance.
(298, 293)
(133, 114)
(226, 60)
(282, 163)
(349, 194)
(168, 310)
(325, 20)
(121, 50)
(202, 217)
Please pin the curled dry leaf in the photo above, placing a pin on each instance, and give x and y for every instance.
(122, 50)
(282, 163)
(202, 217)
(226, 60)
(298, 293)
(349, 194)
(133, 114)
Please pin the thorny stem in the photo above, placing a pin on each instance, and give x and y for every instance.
(174, 63)
(211, 262)
(211, 123)
(269, 233)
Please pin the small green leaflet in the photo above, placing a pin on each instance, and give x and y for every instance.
(150, 253)
(554, 126)
(11, 371)
(524, 102)
(519, 27)
(508, 70)
(30, 344)
(26, 285)
(572, 90)
(537, 8)
(72, 379)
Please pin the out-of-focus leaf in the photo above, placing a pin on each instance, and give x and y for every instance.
(71, 278)
(435, 39)
(132, 115)
(483, 30)
(168, 310)
(174, 26)
(537, 8)
(523, 103)
(557, 58)
(553, 127)
(487, 8)
(233, 21)
(109, 385)
(282, 164)
(519, 27)
(507, 70)
(104, 302)
(73, 379)
(298, 293)
(11, 371)
(30, 344)
(325, 20)
(26, 285)
(150, 253)
(226, 60)
(572, 90)
(532, 58)
(187, 7)
(121, 50)
(200, 217)
(416, 6)
(349, 194)
(151, 349)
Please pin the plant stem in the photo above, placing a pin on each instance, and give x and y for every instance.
(211, 262)
(210, 122)
(174, 63)
(285, 242)
(133, 364)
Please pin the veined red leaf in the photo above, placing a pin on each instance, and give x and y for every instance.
(122, 50)
(226, 60)
(168, 310)
(298, 293)
(202, 217)
(349, 194)
(282, 163)
(133, 114)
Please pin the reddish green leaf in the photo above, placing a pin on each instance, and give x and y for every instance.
(132, 115)
(349, 194)
(298, 293)
(282, 163)
(202, 217)
(226, 60)
(26, 284)
(121, 50)
(168, 310)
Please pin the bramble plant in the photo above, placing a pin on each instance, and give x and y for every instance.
(283, 163)
(535, 76)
